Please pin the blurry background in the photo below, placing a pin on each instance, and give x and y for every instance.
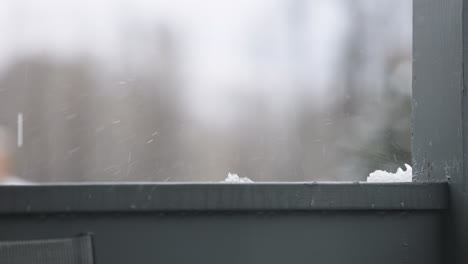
(183, 90)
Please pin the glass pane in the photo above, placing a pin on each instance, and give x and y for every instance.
(179, 90)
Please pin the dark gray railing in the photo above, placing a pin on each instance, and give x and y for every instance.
(105, 198)
(236, 223)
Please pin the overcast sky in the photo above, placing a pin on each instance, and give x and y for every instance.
(223, 44)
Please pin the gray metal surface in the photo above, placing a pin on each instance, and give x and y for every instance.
(437, 89)
(440, 124)
(73, 250)
(236, 223)
(180, 197)
(319, 237)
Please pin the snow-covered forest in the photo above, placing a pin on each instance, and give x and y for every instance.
(179, 90)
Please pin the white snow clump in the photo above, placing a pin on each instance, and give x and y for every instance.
(234, 178)
(399, 176)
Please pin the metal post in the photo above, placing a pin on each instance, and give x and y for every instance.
(440, 129)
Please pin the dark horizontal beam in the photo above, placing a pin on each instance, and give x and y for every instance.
(153, 197)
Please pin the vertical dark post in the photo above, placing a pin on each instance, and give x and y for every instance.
(440, 126)
(437, 90)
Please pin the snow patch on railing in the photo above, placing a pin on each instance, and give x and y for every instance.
(385, 176)
(234, 178)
